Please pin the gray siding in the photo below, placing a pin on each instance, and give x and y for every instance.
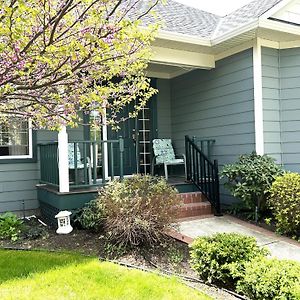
(271, 103)
(164, 108)
(281, 102)
(290, 107)
(18, 180)
(216, 104)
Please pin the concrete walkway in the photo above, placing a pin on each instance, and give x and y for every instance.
(280, 247)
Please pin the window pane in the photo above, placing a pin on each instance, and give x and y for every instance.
(14, 138)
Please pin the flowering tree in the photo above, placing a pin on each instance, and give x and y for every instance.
(62, 57)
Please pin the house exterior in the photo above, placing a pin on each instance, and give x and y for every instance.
(234, 80)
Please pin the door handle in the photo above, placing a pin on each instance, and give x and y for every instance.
(133, 135)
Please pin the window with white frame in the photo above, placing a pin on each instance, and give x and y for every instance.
(15, 139)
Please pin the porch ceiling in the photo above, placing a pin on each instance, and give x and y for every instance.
(166, 71)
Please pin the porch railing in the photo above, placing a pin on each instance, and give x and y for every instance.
(203, 173)
(205, 145)
(87, 162)
(48, 163)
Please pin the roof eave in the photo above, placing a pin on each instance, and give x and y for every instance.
(279, 26)
(235, 32)
(185, 38)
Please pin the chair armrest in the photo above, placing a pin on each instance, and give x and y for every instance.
(180, 156)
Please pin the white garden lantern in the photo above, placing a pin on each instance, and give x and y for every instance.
(64, 224)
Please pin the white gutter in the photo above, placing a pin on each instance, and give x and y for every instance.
(279, 26)
(185, 38)
(235, 32)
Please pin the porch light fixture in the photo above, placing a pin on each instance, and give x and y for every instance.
(64, 224)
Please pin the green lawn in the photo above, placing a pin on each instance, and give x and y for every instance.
(44, 275)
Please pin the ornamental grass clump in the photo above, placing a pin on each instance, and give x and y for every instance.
(220, 258)
(284, 201)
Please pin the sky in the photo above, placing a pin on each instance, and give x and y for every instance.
(218, 7)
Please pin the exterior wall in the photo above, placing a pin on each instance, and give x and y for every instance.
(271, 103)
(18, 180)
(217, 104)
(164, 108)
(290, 108)
(281, 99)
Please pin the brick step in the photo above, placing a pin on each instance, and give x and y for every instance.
(195, 210)
(192, 197)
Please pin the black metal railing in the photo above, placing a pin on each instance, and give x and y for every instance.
(203, 173)
(87, 162)
(205, 145)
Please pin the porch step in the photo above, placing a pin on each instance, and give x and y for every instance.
(193, 197)
(195, 204)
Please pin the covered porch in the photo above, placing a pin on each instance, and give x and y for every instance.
(73, 169)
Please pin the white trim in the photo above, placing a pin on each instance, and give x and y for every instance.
(63, 161)
(289, 45)
(279, 26)
(235, 32)
(175, 57)
(184, 38)
(30, 146)
(258, 98)
(280, 45)
(269, 44)
(275, 9)
(234, 50)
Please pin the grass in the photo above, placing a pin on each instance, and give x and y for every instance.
(44, 275)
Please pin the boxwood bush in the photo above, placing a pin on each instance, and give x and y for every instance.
(270, 279)
(221, 257)
(284, 201)
(91, 216)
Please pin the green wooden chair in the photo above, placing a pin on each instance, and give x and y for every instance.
(164, 155)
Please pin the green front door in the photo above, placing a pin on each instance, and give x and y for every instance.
(138, 134)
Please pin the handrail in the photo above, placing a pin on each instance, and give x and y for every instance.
(203, 173)
(86, 158)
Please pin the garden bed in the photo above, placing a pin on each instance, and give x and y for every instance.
(171, 257)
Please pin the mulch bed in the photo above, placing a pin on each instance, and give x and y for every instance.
(170, 257)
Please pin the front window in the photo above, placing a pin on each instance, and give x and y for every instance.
(15, 139)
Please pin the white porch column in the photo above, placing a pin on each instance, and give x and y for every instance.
(63, 162)
(105, 145)
(258, 98)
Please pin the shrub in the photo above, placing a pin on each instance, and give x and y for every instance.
(219, 258)
(284, 201)
(10, 226)
(265, 279)
(138, 209)
(91, 216)
(250, 178)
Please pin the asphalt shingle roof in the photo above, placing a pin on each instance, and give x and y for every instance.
(180, 18)
(244, 15)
